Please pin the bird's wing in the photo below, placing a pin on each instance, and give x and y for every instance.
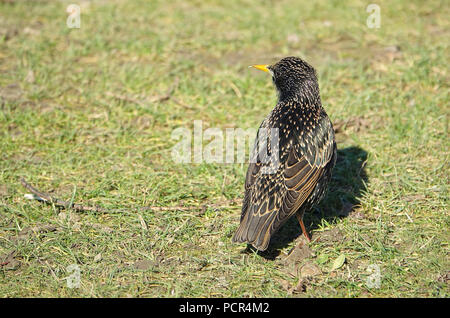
(271, 198)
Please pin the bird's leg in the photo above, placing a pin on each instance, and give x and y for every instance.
(300, 220)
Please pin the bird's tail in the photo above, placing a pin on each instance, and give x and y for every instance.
(254, 230)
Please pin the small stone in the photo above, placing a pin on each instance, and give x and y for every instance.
(98, 258)
(30, 77)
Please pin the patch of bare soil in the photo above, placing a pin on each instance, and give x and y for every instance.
(306, 274)
(4, 191)
(9, 261)
(297, 265)
(31, 231)
(333, 235)
(298, 254)
(356, 124)
(11, 93)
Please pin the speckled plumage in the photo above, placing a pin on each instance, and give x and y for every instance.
(306, 156)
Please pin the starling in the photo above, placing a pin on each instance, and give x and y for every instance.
(294, 180)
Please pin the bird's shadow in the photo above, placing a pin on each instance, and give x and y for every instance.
(344, 192)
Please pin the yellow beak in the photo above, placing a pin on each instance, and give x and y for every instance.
(261, 67)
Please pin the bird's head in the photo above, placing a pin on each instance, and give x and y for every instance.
(292, 77)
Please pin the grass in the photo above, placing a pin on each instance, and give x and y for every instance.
(81, 118)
